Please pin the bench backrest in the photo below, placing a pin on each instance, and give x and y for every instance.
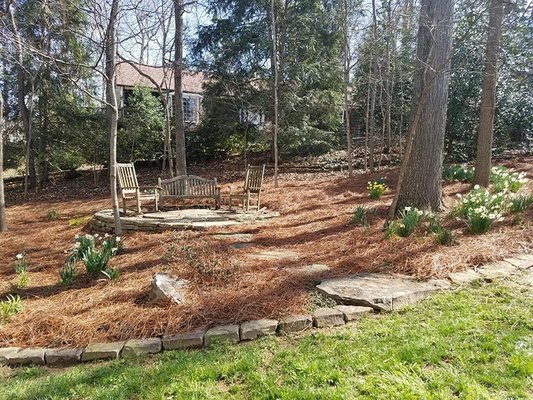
(127, 178)
(254, 178)
(188, 185)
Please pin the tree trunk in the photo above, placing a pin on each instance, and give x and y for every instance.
(181, 160)
(112, 110)
(488, 95)
(420, 181)
(3, 222)
(346, 67)
(275, 83)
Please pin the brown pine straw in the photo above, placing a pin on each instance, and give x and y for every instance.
(227, 285)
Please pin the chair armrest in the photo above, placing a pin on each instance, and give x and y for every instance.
(233, 189)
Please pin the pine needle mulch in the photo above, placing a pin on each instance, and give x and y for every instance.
(228, 285)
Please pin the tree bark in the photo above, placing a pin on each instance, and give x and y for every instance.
(346, 67)
(420, 181)
(112, 110)
(3, 221)
(275, 84)
(488, 96)
(179, 129)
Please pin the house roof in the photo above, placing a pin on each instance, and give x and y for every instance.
(129, 76)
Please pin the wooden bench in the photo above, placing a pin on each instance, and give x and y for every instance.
(189, 187)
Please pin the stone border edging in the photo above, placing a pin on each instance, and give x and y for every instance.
(235, 333)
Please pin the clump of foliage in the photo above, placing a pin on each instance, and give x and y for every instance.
(21, 268)
(520, 203)
(503, 179)
(95, 253)
(481, 208)
(360, 216)
(443, 236)
(77, 221)
(376, 189)
(52, 214)
(9, 307)
(457, 172)
(410, 219)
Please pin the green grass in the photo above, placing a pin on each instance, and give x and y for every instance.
(476, 343)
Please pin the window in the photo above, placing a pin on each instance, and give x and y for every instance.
(255, 118)
(191, 107)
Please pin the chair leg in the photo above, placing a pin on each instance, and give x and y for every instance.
(138, 205)
(230, 204)
(156, 204)
(124, 204)
(247, 202)
(258, 201)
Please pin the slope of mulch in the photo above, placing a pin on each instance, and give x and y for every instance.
(227, 285)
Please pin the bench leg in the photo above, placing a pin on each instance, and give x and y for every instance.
(124, 204)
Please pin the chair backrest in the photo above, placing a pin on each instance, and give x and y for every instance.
(127, 178)
(254, 178)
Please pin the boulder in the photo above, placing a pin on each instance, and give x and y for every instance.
(166, 287)
(379, 291)
(465, 277)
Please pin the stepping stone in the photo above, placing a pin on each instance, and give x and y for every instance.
(325, 317)
(140, 347)
(495, 270)
(351, 313)
(6, 353)
(295, 323)
(102, 351)
(66, 356)
(24, 357)
(521, 261)
(253, 329)
(379, 291)
(222, 333)
(240, 245)
(465, 277)
(312, 269)
(166, 287)
(268, 255)
(194, 339)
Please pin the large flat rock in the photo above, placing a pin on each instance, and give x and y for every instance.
(379, 291)
(167, 287)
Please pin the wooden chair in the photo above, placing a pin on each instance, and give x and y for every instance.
(130, 189)
(252, 188)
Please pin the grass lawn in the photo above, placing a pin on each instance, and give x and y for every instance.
(476, 343)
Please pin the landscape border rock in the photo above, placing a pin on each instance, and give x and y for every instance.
(249, 330)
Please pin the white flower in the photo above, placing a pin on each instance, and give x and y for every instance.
(76, 237)
(106, 235)
(114, 250)
(20, 256)
(118, 239)
(476, 187)
(96, 235)
(408, 209)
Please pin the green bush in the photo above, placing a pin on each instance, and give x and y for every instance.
(520, 203)
(456, 172)
(410, 219)
(481, 208)
(52, 214)
(376, 189)
(503, 179)
(359, 215)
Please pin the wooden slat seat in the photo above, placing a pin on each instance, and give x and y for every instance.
(130, 189)
(189, 187)
(251, 190)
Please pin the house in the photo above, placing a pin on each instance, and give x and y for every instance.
(161, 79)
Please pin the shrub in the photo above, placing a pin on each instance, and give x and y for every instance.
(410, 218)
(445, 237)
(503, 179)
(520, 203)
(376, 189)
(52, 214)
(95, 255)
(9, 307)
(77, 221)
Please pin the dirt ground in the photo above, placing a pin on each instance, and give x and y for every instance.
(227, 284)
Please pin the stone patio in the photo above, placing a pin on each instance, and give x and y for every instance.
(186, 219)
